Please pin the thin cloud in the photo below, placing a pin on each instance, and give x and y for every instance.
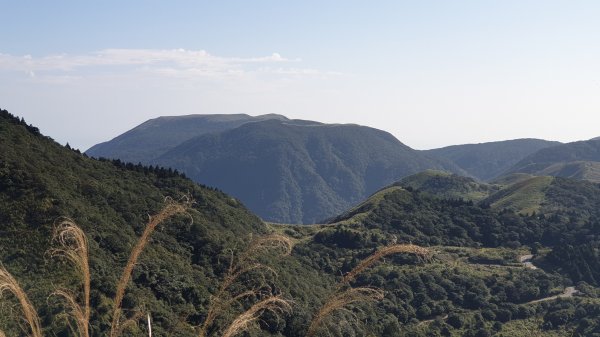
(166, 62)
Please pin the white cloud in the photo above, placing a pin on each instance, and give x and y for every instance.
(166, 62)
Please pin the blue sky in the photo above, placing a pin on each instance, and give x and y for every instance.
(433, 73)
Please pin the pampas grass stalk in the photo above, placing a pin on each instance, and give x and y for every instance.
(380, 254)
(245, 264)
(9, 284)
(73, 246)
(170, 209)
(339, 301)
(149, 326)
(244, 321)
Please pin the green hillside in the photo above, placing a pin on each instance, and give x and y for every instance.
(486, 161)
(525, 197)
(42, 182)
(448, 185)
(469, 283)
(298, 171)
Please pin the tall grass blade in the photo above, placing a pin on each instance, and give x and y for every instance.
(10, 285)
(245, 263)
(73, 246)
(170, 209)
(383, 252)
(340, 301)
(244, 321)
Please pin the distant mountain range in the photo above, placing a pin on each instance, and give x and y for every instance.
(579, 160)
(487, 161)
(297, 171)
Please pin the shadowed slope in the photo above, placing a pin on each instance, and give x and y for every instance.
(298, 171)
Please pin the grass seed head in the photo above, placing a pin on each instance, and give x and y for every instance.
(10, 285)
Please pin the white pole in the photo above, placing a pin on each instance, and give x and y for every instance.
(149, 326)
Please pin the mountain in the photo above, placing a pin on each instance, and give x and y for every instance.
(486, 161)
(297, 171)
(470, 282)
(579, 160)
(156, 136)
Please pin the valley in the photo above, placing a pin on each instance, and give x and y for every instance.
(495, 258)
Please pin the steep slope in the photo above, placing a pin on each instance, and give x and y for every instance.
(156, 136)
(486, 161)
(41, 182)
(297, 171)
(580, 160)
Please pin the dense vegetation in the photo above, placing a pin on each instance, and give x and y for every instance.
(470, 285)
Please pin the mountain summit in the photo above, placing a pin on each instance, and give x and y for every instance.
(290, 171)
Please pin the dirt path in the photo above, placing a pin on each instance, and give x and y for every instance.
(569, 291)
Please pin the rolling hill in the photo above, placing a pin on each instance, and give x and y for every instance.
(486, 161)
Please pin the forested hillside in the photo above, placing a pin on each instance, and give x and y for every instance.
(298, 171)
(434, 255)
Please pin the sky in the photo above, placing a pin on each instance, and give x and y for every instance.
(432, 73)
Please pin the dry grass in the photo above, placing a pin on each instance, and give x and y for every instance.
(73, 246)
(244, 321)
(245, 263)
(170, 209)
(381, 253)
(9, 284)
(2, 334)
(340, 301)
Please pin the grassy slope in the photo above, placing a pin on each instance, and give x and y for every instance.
(524, 197)
(447, 185)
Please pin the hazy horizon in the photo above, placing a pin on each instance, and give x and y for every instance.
(431, 73)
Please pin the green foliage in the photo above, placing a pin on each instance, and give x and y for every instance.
(472, 286)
